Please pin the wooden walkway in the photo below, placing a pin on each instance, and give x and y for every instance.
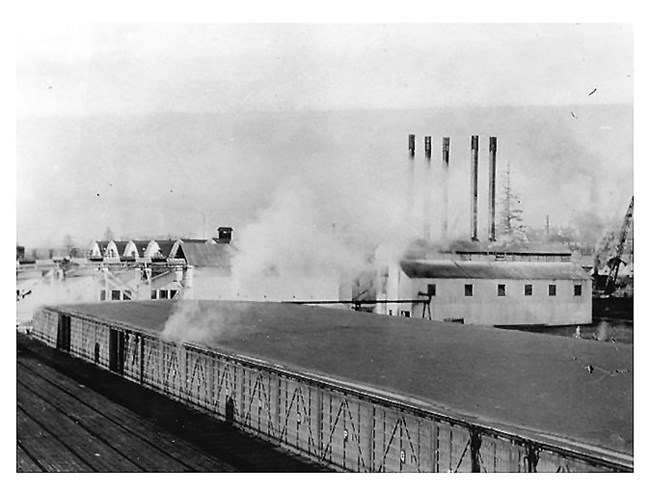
(65, 425)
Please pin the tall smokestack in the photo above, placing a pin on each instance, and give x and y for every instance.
(445, 185)
(427, 195)
(492, 234)
(411, 177)
(474, 169)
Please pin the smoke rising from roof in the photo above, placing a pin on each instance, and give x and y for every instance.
(194, 322)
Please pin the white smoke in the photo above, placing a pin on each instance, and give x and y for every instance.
(197, 322)
(35, 293)
(326, 221)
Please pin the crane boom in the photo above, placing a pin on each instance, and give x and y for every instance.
(615, 262)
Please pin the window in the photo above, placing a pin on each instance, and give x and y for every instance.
(469, 290)
(577, 290)
(406, 314)
(154, 294)
(115, 295)
(126, 295)
(528, 289)
(431, 290)
(501, 290)
(552, 289)
(102, 295)
(162, 294)
(173, 292)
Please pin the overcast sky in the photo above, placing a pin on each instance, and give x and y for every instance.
(138, 68)
(97, 105)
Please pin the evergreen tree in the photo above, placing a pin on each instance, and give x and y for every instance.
(511, 228)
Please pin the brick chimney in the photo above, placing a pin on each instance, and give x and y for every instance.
(225, 235)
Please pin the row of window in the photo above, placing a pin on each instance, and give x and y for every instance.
(163, 294)
(125, 295)
(501, 290)
(116, 295)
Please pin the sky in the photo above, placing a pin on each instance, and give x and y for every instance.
(140, 68)
(176, 129)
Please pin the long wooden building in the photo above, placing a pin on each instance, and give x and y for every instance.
(365, 392)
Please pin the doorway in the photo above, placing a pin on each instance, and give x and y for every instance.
(63, 333)
(116, 345)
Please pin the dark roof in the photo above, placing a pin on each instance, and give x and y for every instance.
(121, 246)
(205, 255)
(141, 246)
(521, 382)
(517, 270)
(165, 247)
(532, 248)
(422, 248)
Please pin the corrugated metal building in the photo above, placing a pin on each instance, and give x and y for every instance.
(489, 292)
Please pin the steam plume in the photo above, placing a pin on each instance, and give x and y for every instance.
(324, 221)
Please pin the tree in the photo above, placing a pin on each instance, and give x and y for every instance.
(511, 226)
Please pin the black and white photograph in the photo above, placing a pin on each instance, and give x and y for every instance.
(324, 247)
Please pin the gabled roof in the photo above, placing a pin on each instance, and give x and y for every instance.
(516, 270)
(141, 246)
(206, 255)
(121, 246)
(165, 247)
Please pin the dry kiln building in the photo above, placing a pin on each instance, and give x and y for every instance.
(368, 393)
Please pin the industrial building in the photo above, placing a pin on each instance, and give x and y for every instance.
(370, 393)
(488, 283)
(490, 293)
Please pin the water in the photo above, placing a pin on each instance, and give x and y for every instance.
(602, 329)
